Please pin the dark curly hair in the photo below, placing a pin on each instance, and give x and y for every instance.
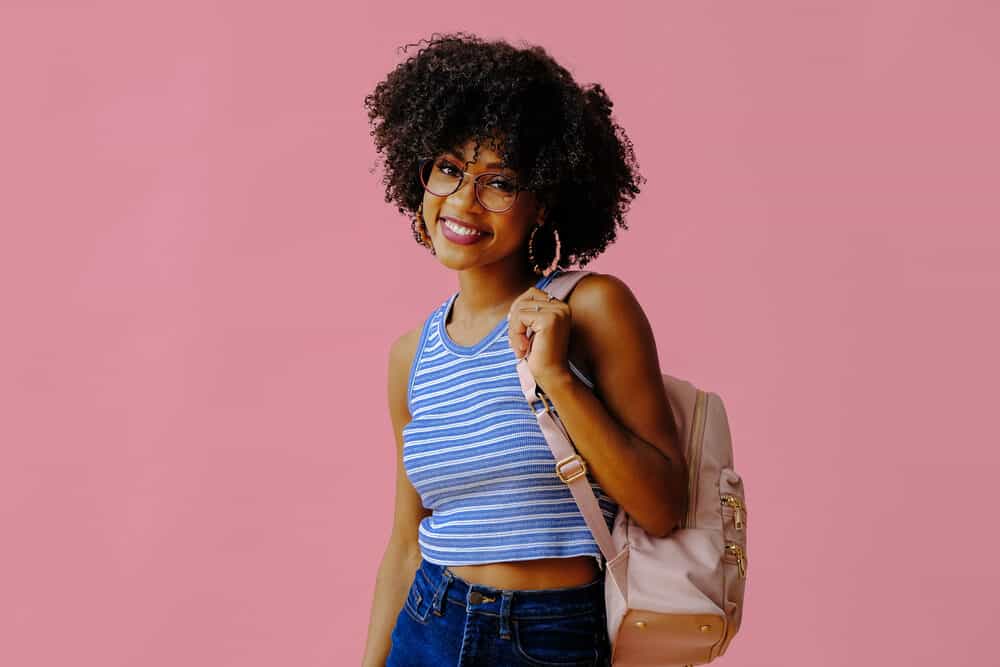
(560, 137)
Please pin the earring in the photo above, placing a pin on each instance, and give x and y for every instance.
(419, 227)
(531, 252)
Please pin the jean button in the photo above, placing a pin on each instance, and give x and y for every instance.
(475, 597)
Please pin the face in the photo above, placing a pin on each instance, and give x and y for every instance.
(505, 235)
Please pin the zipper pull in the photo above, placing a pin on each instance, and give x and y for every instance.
(738, 509)
(741, 559)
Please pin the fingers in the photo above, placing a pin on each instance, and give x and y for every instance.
(529, 303)
(523, 325)
(534, 296)
(532, 311)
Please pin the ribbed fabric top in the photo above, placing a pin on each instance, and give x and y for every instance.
(476, 455)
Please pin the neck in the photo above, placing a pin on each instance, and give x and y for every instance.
(486, 291)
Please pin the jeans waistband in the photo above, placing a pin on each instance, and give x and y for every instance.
(550, 602)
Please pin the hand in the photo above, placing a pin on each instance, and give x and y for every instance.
(547, 347)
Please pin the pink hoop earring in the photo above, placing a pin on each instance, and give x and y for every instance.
(531, 253)
(419, 227)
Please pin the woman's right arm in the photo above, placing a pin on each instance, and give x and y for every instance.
(402, 554)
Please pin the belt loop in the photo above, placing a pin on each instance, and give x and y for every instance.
(505, 604)
(437, 604)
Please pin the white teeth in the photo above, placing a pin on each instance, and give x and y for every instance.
(465, 231)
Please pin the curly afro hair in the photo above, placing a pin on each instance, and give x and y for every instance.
(559, 137)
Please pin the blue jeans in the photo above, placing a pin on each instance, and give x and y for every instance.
(447, 622)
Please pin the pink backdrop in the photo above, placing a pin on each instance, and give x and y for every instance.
(200, 282)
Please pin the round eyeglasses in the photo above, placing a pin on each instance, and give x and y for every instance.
(441, 177)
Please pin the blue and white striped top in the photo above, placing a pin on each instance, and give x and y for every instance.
(476, 455)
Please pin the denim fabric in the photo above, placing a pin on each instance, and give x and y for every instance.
(447, 621)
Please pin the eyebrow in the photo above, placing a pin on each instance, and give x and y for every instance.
(491, 165)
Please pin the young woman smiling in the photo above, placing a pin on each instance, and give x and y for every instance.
(511, 172)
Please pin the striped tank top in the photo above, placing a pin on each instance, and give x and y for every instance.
(475, 453)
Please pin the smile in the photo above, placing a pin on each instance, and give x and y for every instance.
(459, 229)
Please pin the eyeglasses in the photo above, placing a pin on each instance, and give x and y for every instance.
(441, 177)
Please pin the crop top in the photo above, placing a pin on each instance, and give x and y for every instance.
(475, 454)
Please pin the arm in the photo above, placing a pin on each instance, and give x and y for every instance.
(402, 554)
(626, 433)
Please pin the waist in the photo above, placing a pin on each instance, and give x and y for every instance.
(531, 575)
(542, 603)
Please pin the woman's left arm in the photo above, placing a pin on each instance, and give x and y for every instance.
(626, 432)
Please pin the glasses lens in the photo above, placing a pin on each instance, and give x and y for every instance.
(496, 192)
(442, 177)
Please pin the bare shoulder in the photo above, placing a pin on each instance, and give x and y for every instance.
(404, 348)
(593, 299)
(401, 354)
(409, 509)
(625, 359)
(595, 290)
(610, 323)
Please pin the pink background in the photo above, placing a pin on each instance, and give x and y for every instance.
(200, 281)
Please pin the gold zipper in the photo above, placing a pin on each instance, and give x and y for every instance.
(693, 455)
(739, 509)
(741, 557)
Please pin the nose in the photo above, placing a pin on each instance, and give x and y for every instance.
(465, 197)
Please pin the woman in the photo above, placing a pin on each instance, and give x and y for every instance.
(511, 172)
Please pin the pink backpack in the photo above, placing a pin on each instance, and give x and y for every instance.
(676, 600)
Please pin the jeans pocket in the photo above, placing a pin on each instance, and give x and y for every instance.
(419, 598)
(559, 641)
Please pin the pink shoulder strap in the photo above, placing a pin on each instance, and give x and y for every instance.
(570, 468)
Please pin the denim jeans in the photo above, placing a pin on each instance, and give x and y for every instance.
(447, 622)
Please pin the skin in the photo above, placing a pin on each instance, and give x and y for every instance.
(623, 428)
(494, 271)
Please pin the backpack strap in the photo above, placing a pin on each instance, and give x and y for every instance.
(570, 467)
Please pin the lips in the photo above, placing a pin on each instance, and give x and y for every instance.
(463, 223)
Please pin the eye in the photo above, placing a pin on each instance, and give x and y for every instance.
(446, 167)
(503, 185)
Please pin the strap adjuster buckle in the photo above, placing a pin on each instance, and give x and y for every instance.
(569, 460)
